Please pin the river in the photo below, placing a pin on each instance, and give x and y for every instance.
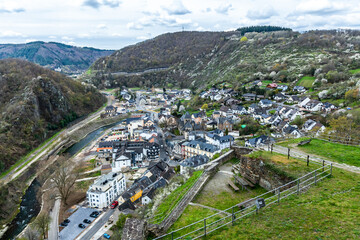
(30, 206)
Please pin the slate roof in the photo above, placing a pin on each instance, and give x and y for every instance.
(203, 146)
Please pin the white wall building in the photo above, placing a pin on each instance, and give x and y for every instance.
(120, 162)
(106, 189)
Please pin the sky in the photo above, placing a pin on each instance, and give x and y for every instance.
(113, 24)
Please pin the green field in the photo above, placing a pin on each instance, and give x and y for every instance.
(329, 210)
(332, 151)
(173, 198)
(355, 71)
(306, 81)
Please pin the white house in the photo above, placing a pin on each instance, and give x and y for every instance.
(120, 162)
(106, 189)
(220, 142)
(265, 103)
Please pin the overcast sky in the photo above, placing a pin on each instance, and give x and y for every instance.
(113, 24)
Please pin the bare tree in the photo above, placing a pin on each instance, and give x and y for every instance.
(42, 223)
(31, 234)
(64, 180)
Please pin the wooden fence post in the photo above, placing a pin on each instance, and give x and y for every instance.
(233, 216)
(330, 169)
(279, 195)
(298, 186)
(172, 235)
(288, 153)
(307, 161)
(205, 227)
(315, 178)
(323, 165)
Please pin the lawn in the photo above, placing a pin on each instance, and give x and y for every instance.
(266, 82)
(329, 210)
(173, 198)
(355, 71)
(332, 151)
(306, 81)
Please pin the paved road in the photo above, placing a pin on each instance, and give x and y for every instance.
(54, 224)
(303, 155)
(95, 227)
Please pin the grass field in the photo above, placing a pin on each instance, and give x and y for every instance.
(306, 81)
(329, 210)
(355, 71)
(173, 198)
(332, 151)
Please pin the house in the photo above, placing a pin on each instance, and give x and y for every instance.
(105, 190)
(311, 125)
(272, 85)
(194, 162)
(197, 147)
(328, 107)
(231, 101)
(257, 83)
(212, 124)
(259, 141)
(264, 103)
(121, 162)
(314, 106)
(224, 123)
(293, 99)
(249, 96)
(299, 89)
(303, 102)
(253, 107)
(221, 142)
(237, 109)
(279, 97)
(283, 88)
(110, 109)
(291, 131)
(105, 169)
(224, 110)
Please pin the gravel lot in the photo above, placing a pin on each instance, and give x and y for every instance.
(72, 230)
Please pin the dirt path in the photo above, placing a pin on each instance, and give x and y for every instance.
(54, 224)
(210, 208)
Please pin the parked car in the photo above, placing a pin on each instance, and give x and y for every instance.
(81, 225)
(63, 224)
(94, 214)
(107, 236)
(66, 220)
(87, 221)
(114, 204)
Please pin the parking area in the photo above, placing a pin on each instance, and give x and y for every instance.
(72, 230)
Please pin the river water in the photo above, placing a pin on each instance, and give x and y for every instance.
(30, 206)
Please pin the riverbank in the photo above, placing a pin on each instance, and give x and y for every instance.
(13, 191)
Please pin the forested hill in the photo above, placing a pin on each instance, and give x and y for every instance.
(202, 59)
(34, 103)
(69, 59)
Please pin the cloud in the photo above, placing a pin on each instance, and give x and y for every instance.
(163, 20)
(16, 10)
(101, 26)
(92, 3)
(224, 8)
(264, 13)
(112, 3)
(320, 8)
(97, 3)
(176, 8)
(10, 33)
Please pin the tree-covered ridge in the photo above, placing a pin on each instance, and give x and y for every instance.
(34, 103)
(244, 30)
(54, 55)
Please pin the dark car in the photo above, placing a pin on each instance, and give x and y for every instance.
(66, 221)
(87, 221)
(81, 225)
(63, 224)
(94, 214)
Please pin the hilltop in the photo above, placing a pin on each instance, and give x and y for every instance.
(34, 103)
(202, 59)
(53, 55)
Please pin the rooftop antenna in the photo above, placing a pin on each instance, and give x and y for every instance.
(182, 28)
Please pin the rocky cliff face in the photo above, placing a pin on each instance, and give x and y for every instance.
(67, 59)
(34, 103)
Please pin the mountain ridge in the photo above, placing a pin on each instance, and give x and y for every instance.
(54, 55)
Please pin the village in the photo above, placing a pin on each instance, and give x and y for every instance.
(162, 138)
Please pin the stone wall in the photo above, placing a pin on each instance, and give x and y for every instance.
(134, 229)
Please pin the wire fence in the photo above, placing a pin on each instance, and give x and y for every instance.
(235, 213)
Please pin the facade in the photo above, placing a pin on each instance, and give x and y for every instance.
(106, 189)
(194, 148)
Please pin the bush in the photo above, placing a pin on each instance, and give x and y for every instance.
(243, 39)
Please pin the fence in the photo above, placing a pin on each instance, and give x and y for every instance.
(229, 216)
(159, 218)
